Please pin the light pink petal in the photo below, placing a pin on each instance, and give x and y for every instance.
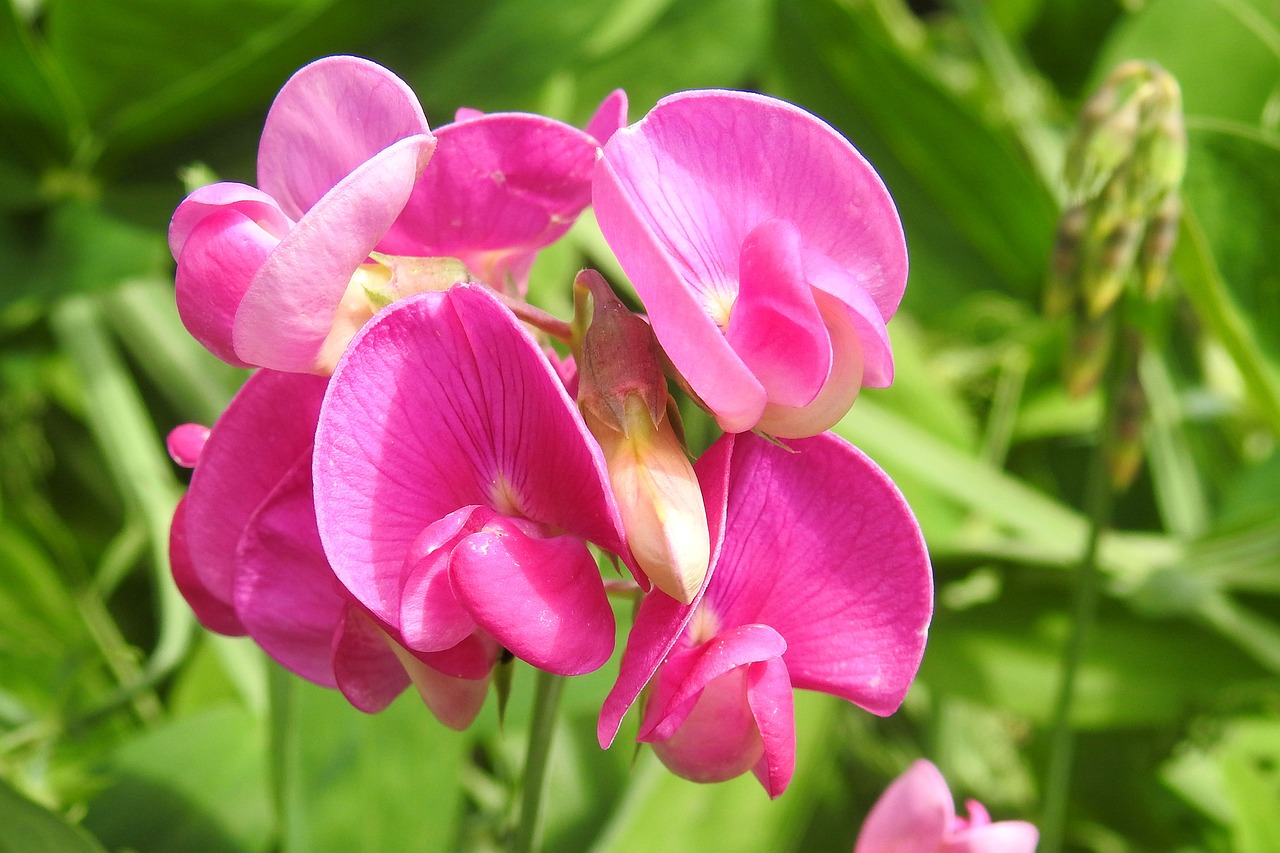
(219, 260)
(288, 311)
(432, 619)
(501, 183)
(466, 114)
(267, 428)
(330, 117)
(870, 327)
(853, 592)
(207, 200)
(773, 707)
(456, 702)
(285, 592)
(214, 613)
(368, 671)
(728, 650)
(471, 659)
(719, 739)
(443, 401)
(609, 117)
(841, 387)
(542, 599)
(678, 193)
(911, 816)
(185, 442)
(660, 619)
(1006, 836)
(776, 328)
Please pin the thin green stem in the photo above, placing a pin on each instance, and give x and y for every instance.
(545, 703)
(1099, 498)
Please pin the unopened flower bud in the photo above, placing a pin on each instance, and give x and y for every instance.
(1157, 245)
(1124, 455)
(624, 401)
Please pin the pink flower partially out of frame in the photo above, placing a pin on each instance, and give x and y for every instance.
(819, 580)
(457, 487)
(246, 555)
(766, 250)
(915, 814)
(268, 276)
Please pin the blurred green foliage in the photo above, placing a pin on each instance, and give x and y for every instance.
(121, 722)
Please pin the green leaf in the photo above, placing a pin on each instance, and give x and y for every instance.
(1228, 271)
(150, 70)
(661, 811)
(976, 215)
(1134, 673)
(27, 828)
(1225, 54)
(391, 781)
(198, 783)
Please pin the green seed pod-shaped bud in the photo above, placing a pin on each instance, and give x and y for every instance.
(1062, 285)
(1087, 353)
(1107, 132)
(1158, 243)
(1124, 453)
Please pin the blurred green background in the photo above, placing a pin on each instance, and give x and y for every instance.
(125, 727)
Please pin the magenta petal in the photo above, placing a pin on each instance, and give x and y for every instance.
(718, 739)
(266, 429)
(842, 386)
(285, 592)
(912, 815)
(775, 327)
(456, 702)
(660, 619)
(219, 260)
(443, 401)
(185, 442)
(540, 598)
(771, 160)
(773, 707)
(368, 672)
(329, 117)
(207, 200)
(471, 659)
(216, 614)
(499, 184)
(678, 297)
(745, 644)
(288, 311)
(609, 117)
(431, 617)
(1006, 836)
(854, 596)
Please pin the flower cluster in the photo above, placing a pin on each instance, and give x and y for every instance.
(415, 484)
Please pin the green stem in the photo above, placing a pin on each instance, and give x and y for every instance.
(1099, 498)
(541, 728)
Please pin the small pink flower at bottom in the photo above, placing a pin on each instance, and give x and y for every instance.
(915, 814)
(819, 580)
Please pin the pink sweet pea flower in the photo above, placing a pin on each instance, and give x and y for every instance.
(456, 486)
(915, 814)
(246, 554)
(819, 580)
(271, 276)
(766, 250)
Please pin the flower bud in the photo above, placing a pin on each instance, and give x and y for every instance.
(623, 397)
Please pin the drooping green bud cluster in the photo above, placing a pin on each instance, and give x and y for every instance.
(1124, 166)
